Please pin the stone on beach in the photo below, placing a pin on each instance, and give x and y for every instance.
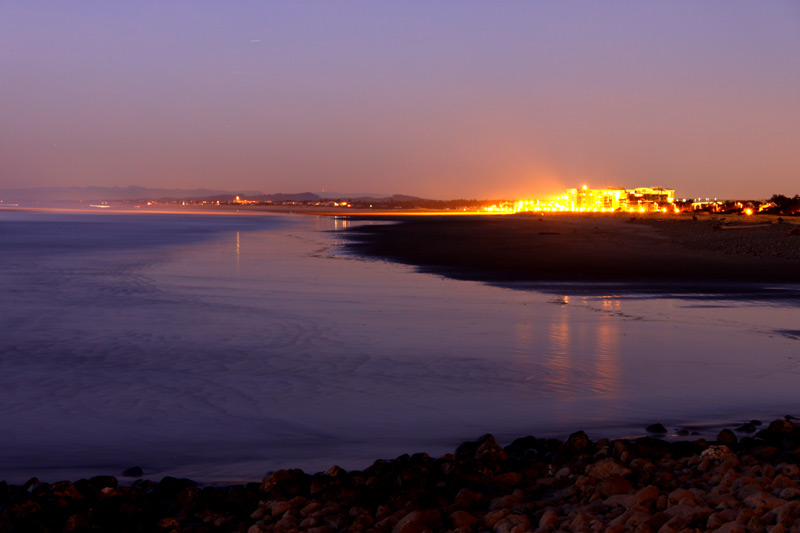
(656, 428)
(644, 484)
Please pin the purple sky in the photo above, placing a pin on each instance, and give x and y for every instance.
(438, 99)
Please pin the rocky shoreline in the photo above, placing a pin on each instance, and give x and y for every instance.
(744, 482)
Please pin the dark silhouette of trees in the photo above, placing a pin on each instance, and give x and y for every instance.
(785, 205)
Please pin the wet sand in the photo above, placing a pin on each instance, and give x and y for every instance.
(587, 248)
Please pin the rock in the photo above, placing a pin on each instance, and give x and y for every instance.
(651, 447)
(286, 523)
(682, 496)
(727, 437)
(335, 472)
(621, 451)
(690, 513)
(787, 514)
(629, 520)
(168, 524)
(278, 508)
(549, 519)
(731, 527)
(509, 479)
(580, 522)
(789, 493)
(720, 518)
(503, 502)
(285, 482)
(745, 515)
(485, 449)
(616, 500)
(716, 453)
(782, 481)
(578, 441)
(513, 523)
(96, 483)
(388, 523)
(77, 522)
(519, 447)
(607, 467)
(645, 498)
(493, 517)
(683, 448)
(658, 429)
(763, 501)
(309, 522)
(133, 471)
(466, 499)
(658, 520)
(413, 522)
(462, 519)
(310, 508)
(613, 484)
(776, 431)
(66, 490)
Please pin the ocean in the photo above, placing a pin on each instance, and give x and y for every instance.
(223, 346)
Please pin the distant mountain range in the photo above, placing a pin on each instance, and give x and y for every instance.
(90, 194)
(41, 195)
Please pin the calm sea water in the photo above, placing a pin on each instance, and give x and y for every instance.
(220, 347)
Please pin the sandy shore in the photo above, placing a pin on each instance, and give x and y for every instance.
(589, 248)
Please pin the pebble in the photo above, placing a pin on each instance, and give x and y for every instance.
(645, 485)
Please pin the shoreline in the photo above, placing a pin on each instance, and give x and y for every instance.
(746, 478)
(527, 490)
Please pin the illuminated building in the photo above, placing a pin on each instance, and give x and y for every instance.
(653, 194)
(585, 199)
(639, 200)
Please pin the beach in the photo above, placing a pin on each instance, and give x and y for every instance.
(311, 354)
(647, 251)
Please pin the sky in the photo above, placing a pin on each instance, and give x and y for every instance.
(443, 99)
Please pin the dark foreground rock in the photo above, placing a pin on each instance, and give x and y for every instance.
(738, 483)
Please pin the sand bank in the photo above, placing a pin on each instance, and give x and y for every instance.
(586, 248)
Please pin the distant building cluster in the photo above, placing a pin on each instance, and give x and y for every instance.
(641, 200)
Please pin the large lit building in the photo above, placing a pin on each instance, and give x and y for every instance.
(653, 194)
(586, 199)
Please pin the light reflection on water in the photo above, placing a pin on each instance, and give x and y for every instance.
(265, 347)
(586, 348)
